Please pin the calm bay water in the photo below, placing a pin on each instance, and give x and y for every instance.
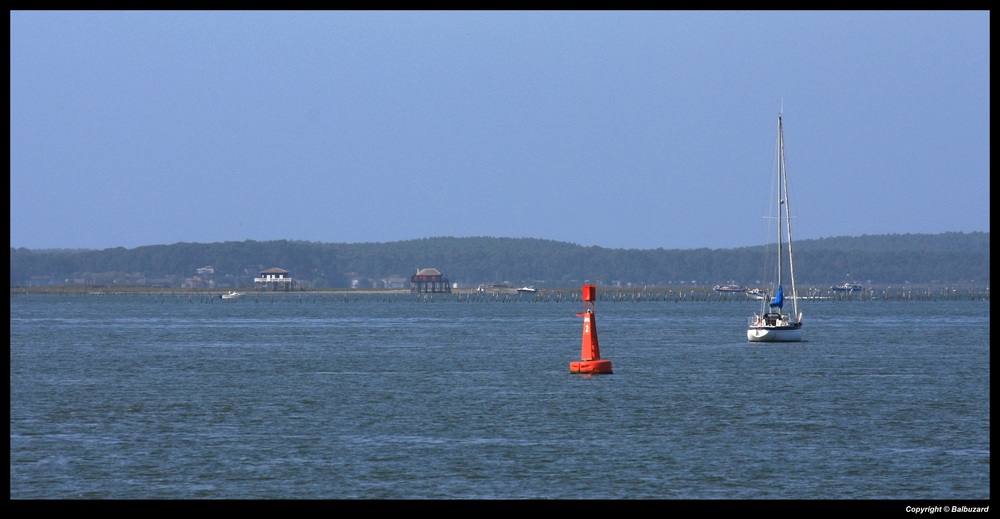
(333, 397)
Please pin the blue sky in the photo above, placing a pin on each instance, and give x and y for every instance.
(620, 129)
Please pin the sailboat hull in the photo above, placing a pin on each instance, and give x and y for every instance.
(790, 333)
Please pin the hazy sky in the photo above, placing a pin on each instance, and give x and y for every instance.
(618, 129)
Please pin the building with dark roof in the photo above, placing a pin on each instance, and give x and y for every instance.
(429, 280)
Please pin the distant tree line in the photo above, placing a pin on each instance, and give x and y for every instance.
(948, 258)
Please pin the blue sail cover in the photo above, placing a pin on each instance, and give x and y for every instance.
(779, 299)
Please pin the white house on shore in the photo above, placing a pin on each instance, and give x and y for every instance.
(274, 278)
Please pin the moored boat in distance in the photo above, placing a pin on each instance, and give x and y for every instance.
(527, 290)
(233, 295)
(848, 286)
(732, 287)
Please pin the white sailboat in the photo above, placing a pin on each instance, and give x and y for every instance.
(772, 323)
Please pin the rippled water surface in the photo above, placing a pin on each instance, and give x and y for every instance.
(313, 397)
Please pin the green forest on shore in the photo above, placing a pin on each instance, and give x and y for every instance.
(924, 260)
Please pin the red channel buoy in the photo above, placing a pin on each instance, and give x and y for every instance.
(590, 362)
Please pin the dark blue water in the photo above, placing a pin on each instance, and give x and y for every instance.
(333, 397)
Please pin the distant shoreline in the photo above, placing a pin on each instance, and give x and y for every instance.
(676, 293)
(110, 289)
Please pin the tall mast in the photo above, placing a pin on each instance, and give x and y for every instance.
(781, 194)
(788, 219)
